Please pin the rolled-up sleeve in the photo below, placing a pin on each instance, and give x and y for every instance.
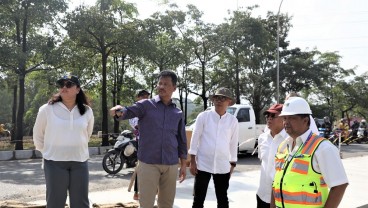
(39, 128)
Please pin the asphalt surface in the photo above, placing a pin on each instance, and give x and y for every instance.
(23, 180)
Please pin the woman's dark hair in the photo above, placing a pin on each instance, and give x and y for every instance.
(81, 100)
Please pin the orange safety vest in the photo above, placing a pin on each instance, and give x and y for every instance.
(296, 184)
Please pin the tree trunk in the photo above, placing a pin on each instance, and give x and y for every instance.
(20, 114)
(14, 113)
(203, 95)
(237, 87)
(105, 127)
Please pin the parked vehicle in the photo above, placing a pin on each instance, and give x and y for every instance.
(124, 152)
(248, 129)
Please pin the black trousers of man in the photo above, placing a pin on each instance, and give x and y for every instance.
(221, 182)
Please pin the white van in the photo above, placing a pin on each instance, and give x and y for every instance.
(248, 129)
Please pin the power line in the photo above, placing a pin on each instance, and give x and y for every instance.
(332, 39)
(329, 23)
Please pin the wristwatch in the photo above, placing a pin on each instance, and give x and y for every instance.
(233, 164)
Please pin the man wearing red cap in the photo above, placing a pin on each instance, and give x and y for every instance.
(267, 147)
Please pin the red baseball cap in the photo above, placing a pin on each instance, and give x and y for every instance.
(276, 108)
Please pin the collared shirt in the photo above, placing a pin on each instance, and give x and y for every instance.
(326, 160)
(267, 148)
(63, 135)
(162, 138)
(215, 141)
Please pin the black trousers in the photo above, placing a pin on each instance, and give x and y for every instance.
(261, 203)
(221, 182)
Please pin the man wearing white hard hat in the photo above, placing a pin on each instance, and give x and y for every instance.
(309, 171)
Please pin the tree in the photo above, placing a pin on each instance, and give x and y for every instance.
(207, 45)
(26, 44)
(96, 29)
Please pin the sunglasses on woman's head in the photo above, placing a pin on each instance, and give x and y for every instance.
(67, 84)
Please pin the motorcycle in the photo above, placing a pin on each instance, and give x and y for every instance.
(321, 131)
(124, 152)
(334, 138)
(324, 132)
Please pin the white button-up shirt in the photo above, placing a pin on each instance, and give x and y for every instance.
(215, 141)
(267, 148)
(63, 135)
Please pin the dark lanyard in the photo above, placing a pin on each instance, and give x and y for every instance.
(290, 157)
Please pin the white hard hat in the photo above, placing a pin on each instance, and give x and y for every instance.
(129, 150)
(295, 106)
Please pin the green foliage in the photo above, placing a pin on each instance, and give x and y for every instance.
(114, 54)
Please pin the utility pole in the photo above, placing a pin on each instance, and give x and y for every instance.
(278, 56)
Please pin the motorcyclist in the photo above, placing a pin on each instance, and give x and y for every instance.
(344, 128)
(4, 131)
(363, 125)
(317, 123)
(354, 128)
(327, 126)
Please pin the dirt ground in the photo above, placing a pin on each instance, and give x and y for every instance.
(15, 204)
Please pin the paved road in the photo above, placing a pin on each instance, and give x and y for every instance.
(23, 179)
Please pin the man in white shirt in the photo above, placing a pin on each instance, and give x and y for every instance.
(214, 148)
(267, 147)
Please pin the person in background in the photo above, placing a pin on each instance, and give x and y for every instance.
(162, 140)
(317, 123)
(267, 147)
(327, 126)
(344, 128)
(214, 148)
(3, 131)
(61, 133)
(141, 94)
(363, 125)
(309, 170)
(355, 127)
(133, 122)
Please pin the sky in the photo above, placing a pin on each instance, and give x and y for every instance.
(328, 25)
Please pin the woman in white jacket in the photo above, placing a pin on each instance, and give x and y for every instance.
(61, 133)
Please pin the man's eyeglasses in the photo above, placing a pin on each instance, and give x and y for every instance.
(220, 98)
(270, 116)
(67, 84)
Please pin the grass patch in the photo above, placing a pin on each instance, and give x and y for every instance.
(6, 144)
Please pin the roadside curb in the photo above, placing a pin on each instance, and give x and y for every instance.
(33, 154)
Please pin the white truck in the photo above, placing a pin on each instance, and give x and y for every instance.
(248, 129)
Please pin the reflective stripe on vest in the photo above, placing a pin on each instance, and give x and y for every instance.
(300, 166)
(303, 198)
(296, 184)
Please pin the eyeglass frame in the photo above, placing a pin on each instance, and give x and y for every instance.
(270, 116)
(220, 98)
